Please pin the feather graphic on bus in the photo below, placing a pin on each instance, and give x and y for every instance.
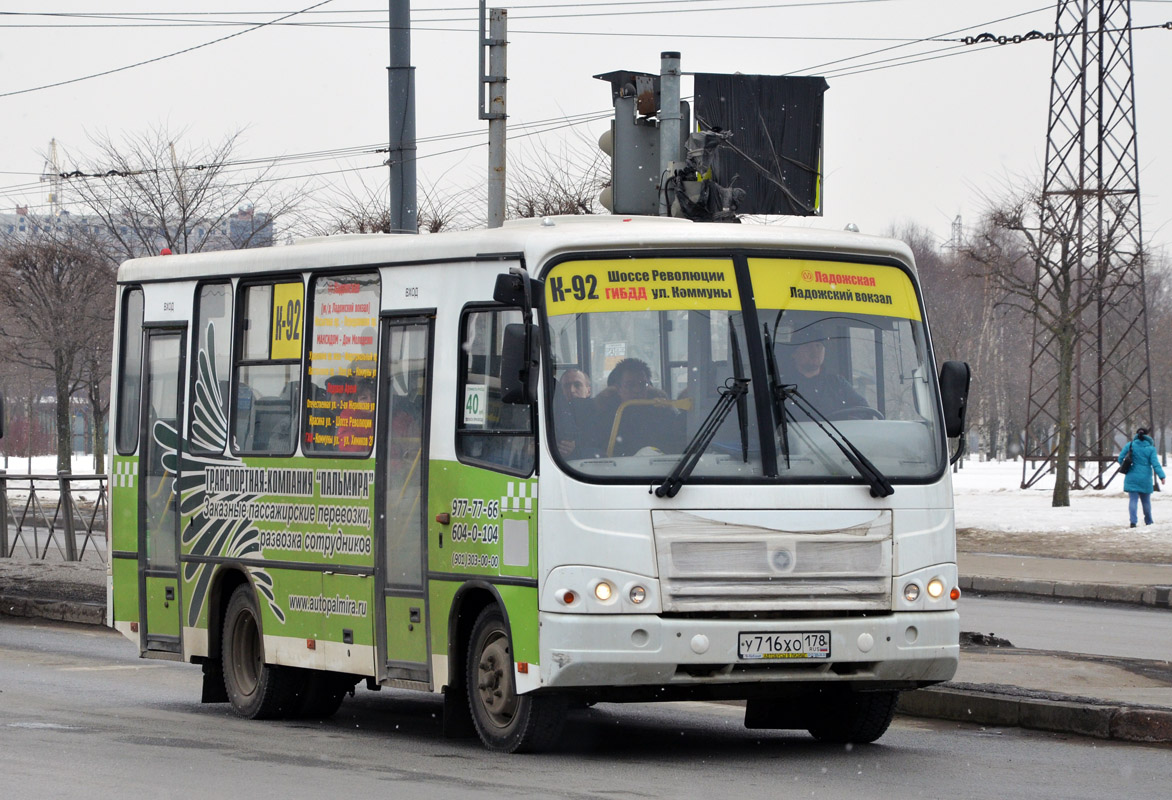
(203, 536)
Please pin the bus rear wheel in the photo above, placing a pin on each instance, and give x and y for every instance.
(855, 717)
(506, 721)
(255, 689)
(320, 694)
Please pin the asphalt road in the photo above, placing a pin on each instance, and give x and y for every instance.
(1091, 628)
(80, 713)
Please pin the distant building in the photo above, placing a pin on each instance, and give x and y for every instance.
(246, 228)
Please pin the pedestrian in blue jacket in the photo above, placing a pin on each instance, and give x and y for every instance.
(1139, 482)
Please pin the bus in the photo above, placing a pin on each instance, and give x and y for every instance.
(566, 461)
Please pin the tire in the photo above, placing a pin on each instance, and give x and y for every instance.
(320, 694)
(255, 689)
(506, 722)
(855, 717)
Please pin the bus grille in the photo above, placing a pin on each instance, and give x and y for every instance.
(708, 564)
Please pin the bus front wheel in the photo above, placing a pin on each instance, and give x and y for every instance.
(256, 690)
(506, 721)
(855, 717)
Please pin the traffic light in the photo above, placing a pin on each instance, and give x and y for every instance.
(632, 144)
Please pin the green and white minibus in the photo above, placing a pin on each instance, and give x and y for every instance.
(566, 461)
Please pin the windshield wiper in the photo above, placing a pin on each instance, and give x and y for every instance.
(733, 389)
(742, 400)
(880, 486)
(777, 395)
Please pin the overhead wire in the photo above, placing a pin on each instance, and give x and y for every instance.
(553, 124)
(163, 57)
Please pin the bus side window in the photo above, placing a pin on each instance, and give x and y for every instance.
(488, 432)
(268, 367)
(212, 367)
(130, 371)
(342, 371)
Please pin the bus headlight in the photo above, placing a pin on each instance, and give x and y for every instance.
(935, 588)
(911, 592)
(638, 594)
(603, 591)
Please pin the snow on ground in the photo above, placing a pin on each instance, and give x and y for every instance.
(995, 515)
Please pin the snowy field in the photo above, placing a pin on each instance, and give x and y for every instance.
(994, 515)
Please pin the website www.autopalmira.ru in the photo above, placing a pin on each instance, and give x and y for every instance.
(327, 606)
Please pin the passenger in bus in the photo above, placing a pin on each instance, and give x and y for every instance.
(827, 391)
(642, 424)
(572, 412)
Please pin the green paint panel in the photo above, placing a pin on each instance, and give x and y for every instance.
(162, 614)
(520, 606)
(124, 505)
(349, 605)
(298, 597)
(406, 640)
(440, 594)
(125, 572)
(493, 522)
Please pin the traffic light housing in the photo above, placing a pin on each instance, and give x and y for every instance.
(632, 144)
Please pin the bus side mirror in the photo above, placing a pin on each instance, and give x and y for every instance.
(955, 377)
(516, 288)
(519, 359)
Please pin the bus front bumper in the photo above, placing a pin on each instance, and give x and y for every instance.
(580, 651)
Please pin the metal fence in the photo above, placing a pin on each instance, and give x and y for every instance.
(63, 513)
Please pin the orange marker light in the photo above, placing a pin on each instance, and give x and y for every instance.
(954, 594)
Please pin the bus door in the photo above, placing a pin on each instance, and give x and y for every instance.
(158, 502)
(402, 498)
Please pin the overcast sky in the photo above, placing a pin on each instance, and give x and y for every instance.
(922, 142)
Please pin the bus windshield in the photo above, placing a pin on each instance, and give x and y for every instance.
(644, 349)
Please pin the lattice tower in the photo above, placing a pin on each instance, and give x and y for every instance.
(1090, 224)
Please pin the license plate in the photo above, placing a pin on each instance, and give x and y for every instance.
(800, 646)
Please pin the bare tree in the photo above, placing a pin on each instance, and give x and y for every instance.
(150, 191)
(547, 183)
(367, 211)
(969, 323)
(56, 292)
(1040, 272)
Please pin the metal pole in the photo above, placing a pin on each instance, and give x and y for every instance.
(669, 122)
(4, 514)
(496, 79)
(66, 505)
(401, 93)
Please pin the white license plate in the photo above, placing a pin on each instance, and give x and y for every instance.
(806, 645)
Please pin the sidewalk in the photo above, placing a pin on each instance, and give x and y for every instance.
(1098, 696)
(1145, 584)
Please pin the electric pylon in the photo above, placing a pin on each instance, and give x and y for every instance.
(1090, 259)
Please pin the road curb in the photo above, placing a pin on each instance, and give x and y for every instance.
(1151, 596)
(991, 704)
(57, 610)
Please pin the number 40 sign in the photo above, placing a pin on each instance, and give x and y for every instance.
(474, 402)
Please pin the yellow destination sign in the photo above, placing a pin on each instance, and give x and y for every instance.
(641, 284)
(833, 286)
